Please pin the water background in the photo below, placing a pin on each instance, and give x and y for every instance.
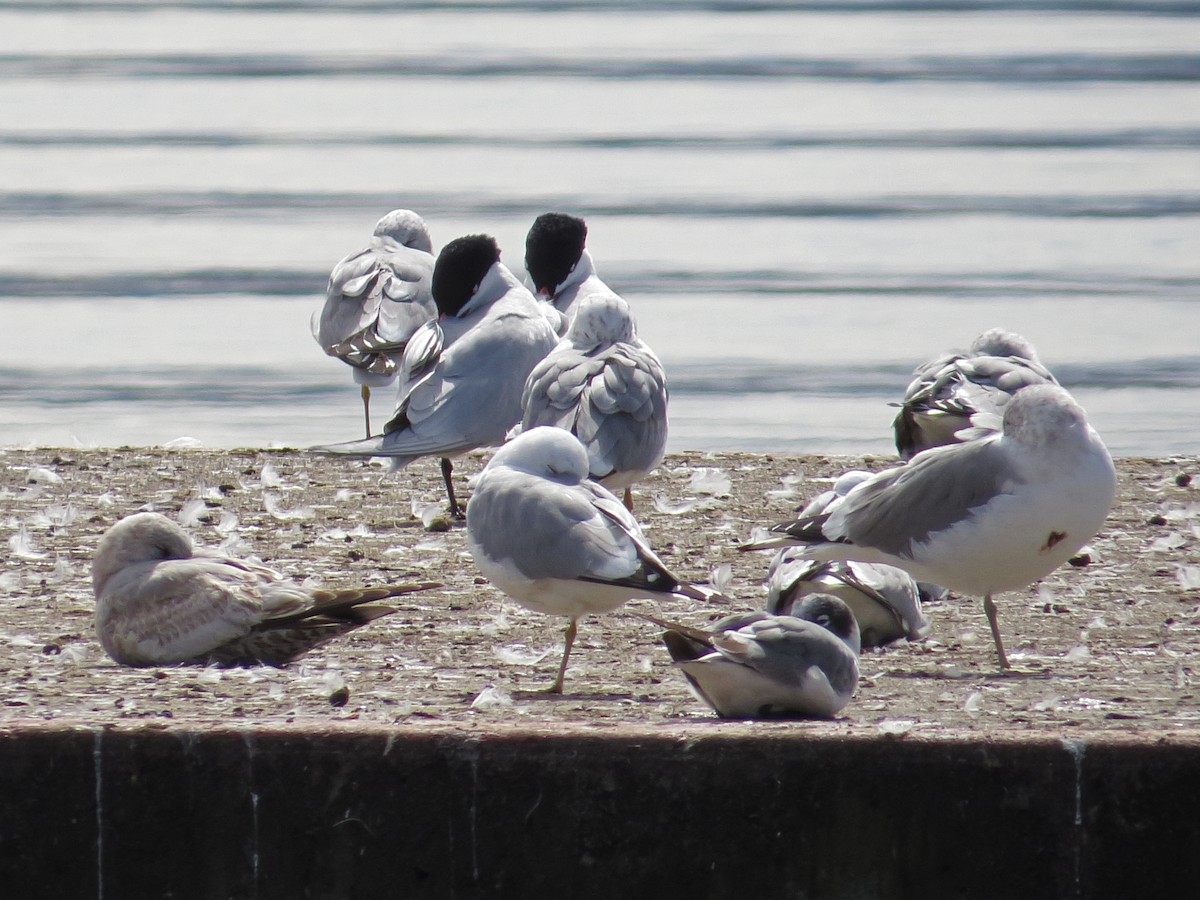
(801, 201)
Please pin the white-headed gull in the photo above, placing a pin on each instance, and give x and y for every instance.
(159, 601)
(885, 600)
(557, 542)
(462, 375)
(757, 664)
(946, 392)
(604, 385)
(991, 515)
(375, 300)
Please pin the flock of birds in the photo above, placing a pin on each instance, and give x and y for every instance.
(1002, 481)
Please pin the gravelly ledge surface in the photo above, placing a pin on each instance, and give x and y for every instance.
(1108, 648)
(443, 774)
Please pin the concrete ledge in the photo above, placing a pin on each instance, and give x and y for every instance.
(410, 812)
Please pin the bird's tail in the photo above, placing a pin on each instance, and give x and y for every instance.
(696, 634)
(349, 602)
(371, 446)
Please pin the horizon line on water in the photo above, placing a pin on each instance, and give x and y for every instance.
(1030, 68)
(1183, 8)
(1157, 137)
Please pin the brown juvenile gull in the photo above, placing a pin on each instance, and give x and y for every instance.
(991, 515)
(159, 601)
(557, 542)
(376, 298)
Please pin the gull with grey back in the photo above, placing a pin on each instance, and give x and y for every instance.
(757, 664)
(991, 515)
(376, 298)
(558, 543)
(948, 391)
(607, 387)
(885, 600)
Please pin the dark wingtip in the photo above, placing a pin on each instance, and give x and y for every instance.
(683, 648)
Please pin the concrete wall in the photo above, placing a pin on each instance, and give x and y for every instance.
(726, 812)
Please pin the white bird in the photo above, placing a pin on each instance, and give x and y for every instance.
(462, 375)
(559, 265)
(946, 392)
(604, 385)
(991, 515)
(375, 300)
(159, 601)
(757, 664)
(556, 542)
(885, 600)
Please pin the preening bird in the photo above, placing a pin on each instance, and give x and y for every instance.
(885, 600)
(376, 298)
(606, 386)
(757, 664)
(948, 391)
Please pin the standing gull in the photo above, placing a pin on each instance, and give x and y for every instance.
(159, 601)
(462, 375)
(604, 385)
(757, 664)
(991, 515)
(946, 392)
(556, 542)
(376, 299)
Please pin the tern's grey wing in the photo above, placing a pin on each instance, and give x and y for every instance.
(936, 489)
(472, 397)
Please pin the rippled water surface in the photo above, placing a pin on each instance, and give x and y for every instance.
(801, 201)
